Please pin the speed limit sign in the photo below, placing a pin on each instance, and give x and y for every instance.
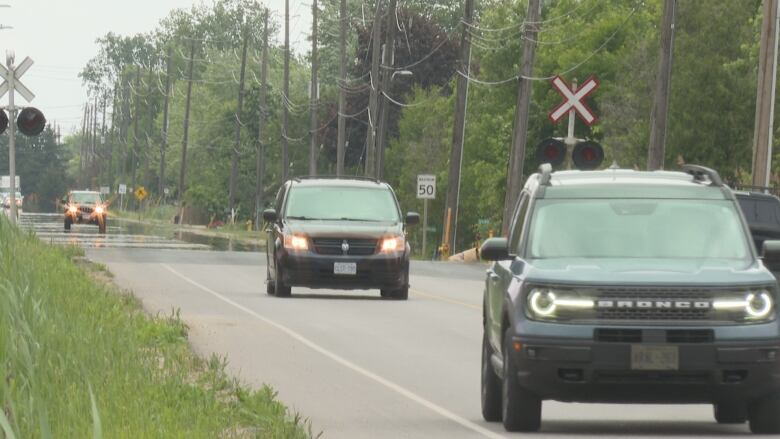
(426, 186)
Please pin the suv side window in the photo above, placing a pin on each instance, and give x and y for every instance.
(518, 223)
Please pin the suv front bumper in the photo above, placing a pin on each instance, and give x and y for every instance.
(312, 270)
(589, 371)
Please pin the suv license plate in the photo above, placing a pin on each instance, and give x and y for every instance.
(345, 268)
(655, 357)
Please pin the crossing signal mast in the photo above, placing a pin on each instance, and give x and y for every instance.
(585, 154)
(30, 121)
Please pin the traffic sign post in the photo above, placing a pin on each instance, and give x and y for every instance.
(426, 190)
(590, 153)
(122, 191)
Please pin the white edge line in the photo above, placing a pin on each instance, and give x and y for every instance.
(346, 363)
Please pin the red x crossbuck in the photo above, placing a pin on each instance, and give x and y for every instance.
(574, 100)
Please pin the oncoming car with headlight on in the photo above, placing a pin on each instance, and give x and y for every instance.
(638, 287)
(340, 233)
(85, 207)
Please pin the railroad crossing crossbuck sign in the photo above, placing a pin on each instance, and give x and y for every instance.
(574, 100)
(18, 86)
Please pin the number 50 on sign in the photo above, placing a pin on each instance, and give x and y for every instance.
(426, 187)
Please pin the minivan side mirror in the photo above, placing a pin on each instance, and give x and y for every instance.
(412, 218)
(770, 253)
(270, 216)
(495, 249)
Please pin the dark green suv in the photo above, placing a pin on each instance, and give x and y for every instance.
(339, 233)
(627, 286)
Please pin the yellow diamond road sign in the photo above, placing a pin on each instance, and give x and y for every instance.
(140, 193)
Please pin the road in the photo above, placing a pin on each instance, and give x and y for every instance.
(357, 366)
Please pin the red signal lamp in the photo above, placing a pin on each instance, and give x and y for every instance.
(552, 151)
(587, 155)
(31, 121)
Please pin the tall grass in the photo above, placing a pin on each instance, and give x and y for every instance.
(79, 360)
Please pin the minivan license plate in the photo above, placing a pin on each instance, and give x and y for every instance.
(345, 268)
(655, 357)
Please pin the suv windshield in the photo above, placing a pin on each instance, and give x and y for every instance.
(342, 203)
(636, 228)
(85, 198)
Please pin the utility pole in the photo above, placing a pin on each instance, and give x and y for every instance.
(260, 168)
(459, 127)
(373, 99)
(388, 61)
(114, 105)
(96, 163)
(340, 150)
(656, 149)
(237, 146)
(765, 98)
(106, 164)
(149, 128)
(136, 116)
(164, 129)
(185, 136)
(83, 154)
(286, 90)
(314, 93)
(520, 136)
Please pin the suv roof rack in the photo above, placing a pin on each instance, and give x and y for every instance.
(336, 177)
(545, 169)
(700, 172)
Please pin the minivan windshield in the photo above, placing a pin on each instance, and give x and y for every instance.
(637, 228)
(342, 203)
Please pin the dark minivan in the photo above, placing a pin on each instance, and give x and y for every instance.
(340, 233)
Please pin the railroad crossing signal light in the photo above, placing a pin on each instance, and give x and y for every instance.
(31, 121)
(587, 155)
(551, 151)
(3, 121)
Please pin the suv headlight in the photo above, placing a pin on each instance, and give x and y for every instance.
(296, 242)
(547, 304)
(756, 305)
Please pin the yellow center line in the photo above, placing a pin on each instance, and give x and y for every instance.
(445, 299)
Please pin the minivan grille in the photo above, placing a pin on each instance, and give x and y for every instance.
(335, 246)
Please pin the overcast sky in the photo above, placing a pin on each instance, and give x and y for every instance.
(59, 35)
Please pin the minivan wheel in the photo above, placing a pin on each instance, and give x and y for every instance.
(269, 286)
(280, 289)
(521, 409)
(68, 222)
(763, 415)
(730, 413)
(491, 385)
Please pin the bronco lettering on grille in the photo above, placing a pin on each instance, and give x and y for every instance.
(653, 304)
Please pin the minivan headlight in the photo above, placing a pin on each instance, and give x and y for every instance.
(393, 244)
(296, 242)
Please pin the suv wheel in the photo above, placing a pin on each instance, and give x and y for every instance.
(763, 415)
(730, 413)
(280, 289)
(491, 385)
(521, 409)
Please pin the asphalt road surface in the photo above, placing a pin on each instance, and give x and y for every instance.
(357, 366)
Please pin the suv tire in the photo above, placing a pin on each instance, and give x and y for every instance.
(491, 385)
(730, 413)
(521, 409)
(280, 289)
(763, 415)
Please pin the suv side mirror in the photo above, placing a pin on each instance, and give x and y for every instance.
(495, 249)
(270, 216)
(770, 253)
(412, 218)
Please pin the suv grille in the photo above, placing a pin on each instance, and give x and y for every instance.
(653, 295)
(86, 209)
(357, 247)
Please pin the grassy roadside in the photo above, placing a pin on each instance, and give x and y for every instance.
(78, 359)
